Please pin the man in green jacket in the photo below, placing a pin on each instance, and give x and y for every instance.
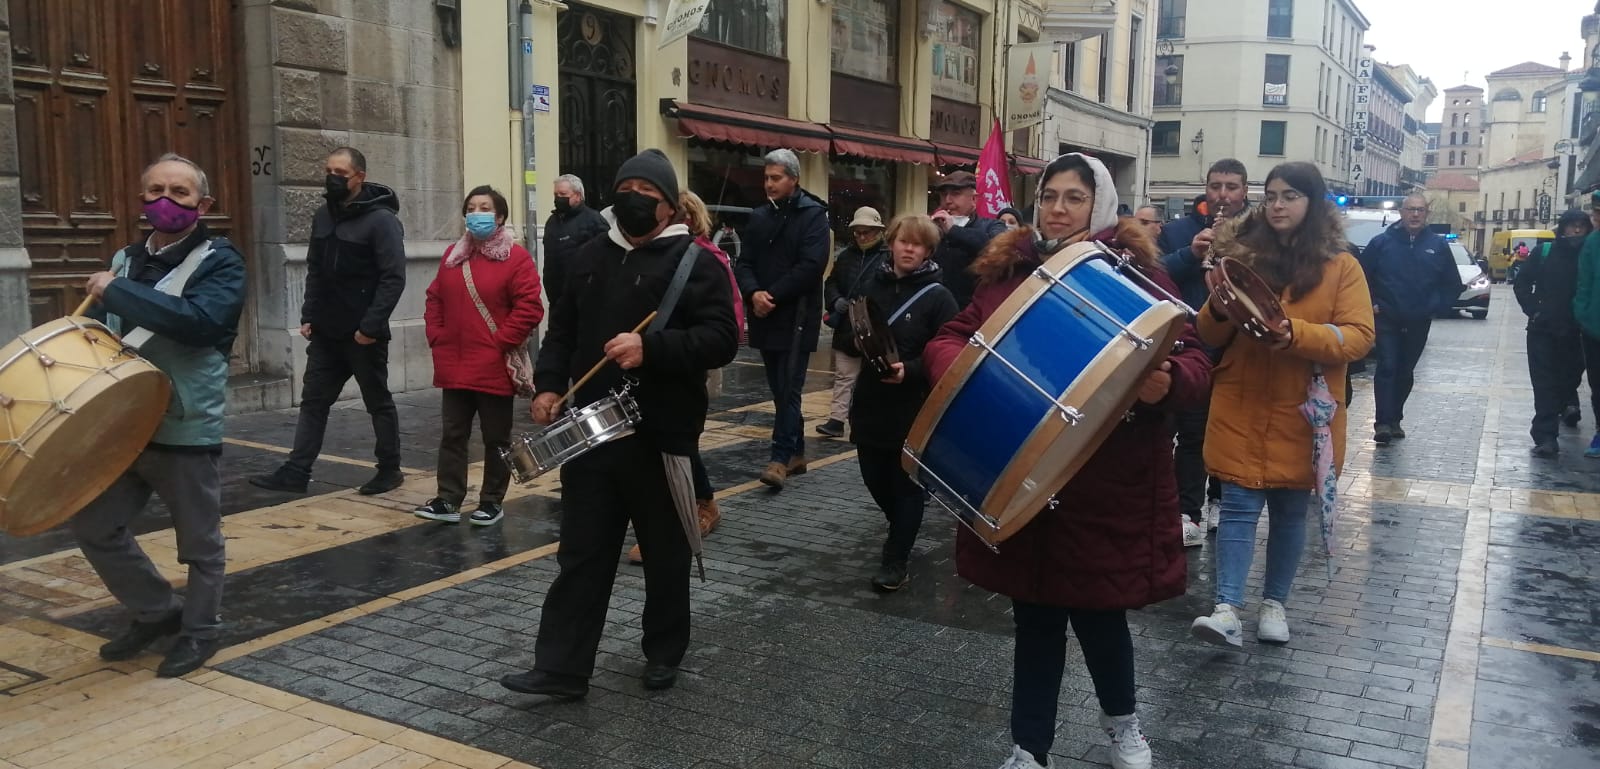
(1586, 308)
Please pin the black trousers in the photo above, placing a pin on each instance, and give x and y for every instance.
(329, 364)
(1041, 658)
(1400, 347)
(1555, 366)
(1591, 364)
(457, 408)
(600, 492)
(1189, 464)
(900, 499)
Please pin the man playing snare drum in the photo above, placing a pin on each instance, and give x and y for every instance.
(177, 297)
(616, 281)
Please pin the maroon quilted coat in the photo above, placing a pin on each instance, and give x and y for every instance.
(1115, 541)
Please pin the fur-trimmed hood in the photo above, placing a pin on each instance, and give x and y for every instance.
(1019, 249)
(1227, 241)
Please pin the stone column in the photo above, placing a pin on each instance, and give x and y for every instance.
(14, 313)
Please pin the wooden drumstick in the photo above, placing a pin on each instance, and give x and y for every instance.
(88, 302)
(603, 361)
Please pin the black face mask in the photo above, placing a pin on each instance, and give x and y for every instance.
(636, 213)
(563, 205)
(335, 188)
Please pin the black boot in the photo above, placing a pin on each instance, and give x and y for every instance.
(140, 635)
(187, 655)
(385, 480)
(284, 478)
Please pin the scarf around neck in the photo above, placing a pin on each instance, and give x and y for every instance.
(495, 248)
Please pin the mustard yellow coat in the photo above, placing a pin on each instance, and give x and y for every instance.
(1256, 436)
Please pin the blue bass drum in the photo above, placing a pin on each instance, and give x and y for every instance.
(1039, 387)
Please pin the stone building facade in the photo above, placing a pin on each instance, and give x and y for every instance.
(257, 91)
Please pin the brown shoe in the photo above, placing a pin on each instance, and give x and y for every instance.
(797, 465)
(635, 557)
(775, 474)
(710, 516)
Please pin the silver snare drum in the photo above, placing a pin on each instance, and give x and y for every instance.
(531, 455)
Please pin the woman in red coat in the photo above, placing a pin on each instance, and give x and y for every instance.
(1114, 543)
(484, 273)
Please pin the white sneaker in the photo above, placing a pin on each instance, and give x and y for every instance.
(1221, 628)
(1213, 514)
(1272, 626)
(1022, 759)
(1129, 750)
(1193, 535)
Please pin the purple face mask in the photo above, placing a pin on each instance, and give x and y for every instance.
(168, 215)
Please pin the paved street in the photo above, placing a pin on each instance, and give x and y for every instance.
(1460, 628)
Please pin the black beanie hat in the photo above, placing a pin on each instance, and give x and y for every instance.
(652, 166)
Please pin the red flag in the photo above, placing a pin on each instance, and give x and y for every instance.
(994, 186)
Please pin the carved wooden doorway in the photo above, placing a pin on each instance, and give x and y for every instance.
(597, 96)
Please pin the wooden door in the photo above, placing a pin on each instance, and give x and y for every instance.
(103, 89)
(598, 108)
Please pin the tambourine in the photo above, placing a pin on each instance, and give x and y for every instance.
(1247, 301)
(872, 338)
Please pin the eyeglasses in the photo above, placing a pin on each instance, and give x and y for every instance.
(1287, 197)
(1414, 210)
(1149, 221)
(1075, 199)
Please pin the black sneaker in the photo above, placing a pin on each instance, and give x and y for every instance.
(385, 480)
(187, 655)
(548, 684)
(892, 576)
(832, 428)
(487, 514)
(282, 479)
(1572, 416)
(1545, 450)
(1382, 434)
(1397, 432)
(438, 510)
(140, 635)
(657, 676)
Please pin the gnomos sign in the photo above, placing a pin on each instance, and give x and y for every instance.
(683, 17)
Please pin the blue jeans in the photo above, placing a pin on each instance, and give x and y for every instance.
(1399, 348)
(1236, 540)
(786, 377)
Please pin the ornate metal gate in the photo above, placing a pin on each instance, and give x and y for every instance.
(597, 96)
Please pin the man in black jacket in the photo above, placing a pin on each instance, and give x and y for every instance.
(355, 274)
(1545, 285)
(571, 225)
(616, 282)
(786, 251)
(964, 232)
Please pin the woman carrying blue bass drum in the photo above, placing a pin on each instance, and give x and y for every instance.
(482, 305)
(1114, 543)
(910, 300)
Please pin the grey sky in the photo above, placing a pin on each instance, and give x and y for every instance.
(1442, 40)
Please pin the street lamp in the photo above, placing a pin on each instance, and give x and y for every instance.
(1164, 51)
(1198, 141)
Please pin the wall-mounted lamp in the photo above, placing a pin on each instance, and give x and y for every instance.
(1198, 141)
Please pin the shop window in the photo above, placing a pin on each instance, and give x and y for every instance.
(855, 183)
(864, 33)
(1164, 137)
(955, 53)
(758, 27)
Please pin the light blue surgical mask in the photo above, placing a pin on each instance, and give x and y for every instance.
(481, 224)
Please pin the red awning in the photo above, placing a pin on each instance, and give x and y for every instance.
(1025, 165)
(881, 146)
(951, 155)
(735, 127)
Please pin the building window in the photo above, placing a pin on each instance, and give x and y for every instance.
(1430, 159)
(1452, 138)
(1280, 18)
(1164, 137)
(864, 33)
(1070, 66)
(1540, 103)
(1170, 21)
(955, 53)
(734, 23)
(1103, 77)
(1466, 120)
(1452, 156)
(1462, 208)
(1169, 93)
(1134, 36)
(1275, 85)
(1455, 120)
(1272, 133)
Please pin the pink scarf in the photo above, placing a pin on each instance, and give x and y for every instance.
(496, 248)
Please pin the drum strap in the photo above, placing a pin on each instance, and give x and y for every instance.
(899, 311)
(669, 301)
(171, 284)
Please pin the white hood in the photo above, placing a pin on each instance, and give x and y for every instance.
(1104, 215)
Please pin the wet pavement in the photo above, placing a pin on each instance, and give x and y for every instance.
(1458, 629)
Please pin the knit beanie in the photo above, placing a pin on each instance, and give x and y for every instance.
(652, 166)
